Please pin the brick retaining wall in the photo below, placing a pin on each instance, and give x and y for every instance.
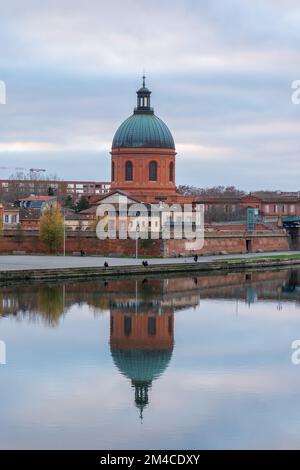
(215, 243)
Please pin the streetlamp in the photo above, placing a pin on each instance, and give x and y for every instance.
(64, 239)
(136, 239)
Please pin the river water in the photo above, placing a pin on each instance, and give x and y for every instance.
(184, 362)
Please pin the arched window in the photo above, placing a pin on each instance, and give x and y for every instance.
(153, 171)
(128, 171)
(113, 171)
(171, 171)
(151, 326)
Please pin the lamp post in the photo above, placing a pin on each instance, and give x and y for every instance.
(64, 231)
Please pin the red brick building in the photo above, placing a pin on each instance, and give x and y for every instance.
(273, 203)
(143, 167)
(143, 155)
(12, 189)
(10, 216)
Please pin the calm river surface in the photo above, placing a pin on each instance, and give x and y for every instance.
(177, 363)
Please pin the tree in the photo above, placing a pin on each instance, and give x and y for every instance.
(33, 175)
(1, 220)
(82, 204)
(52, 228)
(214, 191)
(68, 202)
(24, 184)
(51, 303)
(223, 207)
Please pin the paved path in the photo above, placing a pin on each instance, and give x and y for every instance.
(27, 262)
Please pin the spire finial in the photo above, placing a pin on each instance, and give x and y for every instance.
(141, 414)
(143, 98)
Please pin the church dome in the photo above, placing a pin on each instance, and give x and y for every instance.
(143, 129)
(140, 365)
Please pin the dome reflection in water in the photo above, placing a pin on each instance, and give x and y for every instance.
(141, 342)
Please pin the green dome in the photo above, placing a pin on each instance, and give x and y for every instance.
(139, 365)
(143, 130)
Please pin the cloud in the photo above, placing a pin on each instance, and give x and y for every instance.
(220, 74)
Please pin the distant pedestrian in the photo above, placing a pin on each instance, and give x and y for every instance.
(196, 258)
(106, 264)
(82, 253)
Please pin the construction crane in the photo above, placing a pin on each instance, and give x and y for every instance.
(19, 168)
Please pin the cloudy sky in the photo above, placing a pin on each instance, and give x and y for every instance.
(220, 74)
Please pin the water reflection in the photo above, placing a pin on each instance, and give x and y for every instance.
(151, 297)
(45, 302)
(142, 337)
(142, 313)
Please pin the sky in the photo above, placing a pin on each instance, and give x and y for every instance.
(220, 75)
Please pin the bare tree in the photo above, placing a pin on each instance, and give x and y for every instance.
(227, 191)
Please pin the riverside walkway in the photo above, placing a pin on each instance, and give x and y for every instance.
(35, 262)
(18, 268)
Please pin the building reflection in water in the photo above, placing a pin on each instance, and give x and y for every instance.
(142, 311)
(152, 297)
(141, 340)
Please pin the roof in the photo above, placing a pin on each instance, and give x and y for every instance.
(10, 207)
(217, 199)
(111, 193)
(37, 198)
(141, 365)
(143, 131)
(264, 196)
(143, 89)
(29, 214)
(75, 216)
(275, 196)
(88, 211)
